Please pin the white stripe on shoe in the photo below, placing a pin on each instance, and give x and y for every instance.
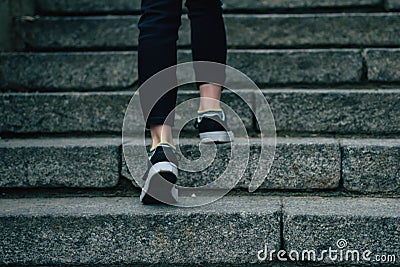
(157, 187)
(217, 136)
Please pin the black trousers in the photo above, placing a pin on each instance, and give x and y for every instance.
(159, 24)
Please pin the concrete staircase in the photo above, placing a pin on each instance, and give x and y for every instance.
(330, 71)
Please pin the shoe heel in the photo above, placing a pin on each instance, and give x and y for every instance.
(160, 189)
(217, 137)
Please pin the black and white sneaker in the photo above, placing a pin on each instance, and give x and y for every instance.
(161, 177)
(212, 127)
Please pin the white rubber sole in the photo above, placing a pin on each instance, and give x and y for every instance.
(157, 189)
(217, 137)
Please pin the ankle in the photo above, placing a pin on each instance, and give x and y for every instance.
(210, 95)
(161, 134)
(207, 104)
(202, 111)
(154, 146)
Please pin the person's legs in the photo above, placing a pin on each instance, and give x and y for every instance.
(161, 134)
(159, 24)
(210, 95)
(208, 44)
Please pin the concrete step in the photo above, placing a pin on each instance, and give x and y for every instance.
(126, 6)
(334, 111)
(285, 30)
(309, 111)
(393, 4)
(111, 70)
(383, 65)
(343, 226)
(366, 165)
(234, 230)
(300, 164)
(117, 231)
(371, 165)
(95, 112)
(60, 162)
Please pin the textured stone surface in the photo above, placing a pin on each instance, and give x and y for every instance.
(288, 4)
(63, 112)
(68, 71)
(99, 70)
(116, 231)
(305, 164)
(338, 29)
(335, 111)
(88, 6)
(383, 64)
(79, 32)
(376, 29)
(294, 110)
(299, 164)
(59, 162)
(365, 224)
(393, 4)
(371, 165)
(96, 112)
(325, 66)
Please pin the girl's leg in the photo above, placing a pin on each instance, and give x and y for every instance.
(208, 44)
(159, 25)
(210, 94)
(161, 134)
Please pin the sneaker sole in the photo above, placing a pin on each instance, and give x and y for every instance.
(217, 137)
(160, 186)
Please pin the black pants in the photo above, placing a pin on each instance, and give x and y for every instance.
(159, 25)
